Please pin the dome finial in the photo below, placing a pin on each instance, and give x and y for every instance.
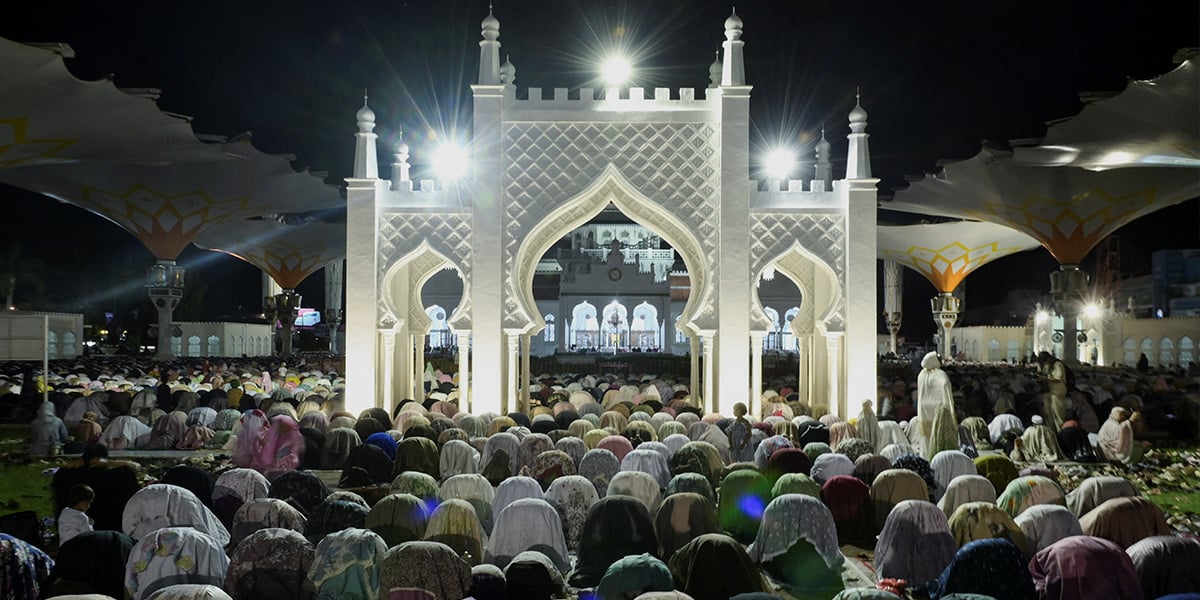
(490, 27)
(365, 116)
(858, 116)
(733, 26)
(714, 71)
(508, 72)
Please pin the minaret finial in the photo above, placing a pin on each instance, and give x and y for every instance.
(858, 156)
(733, 69)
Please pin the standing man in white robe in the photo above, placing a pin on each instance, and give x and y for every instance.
(935, 407)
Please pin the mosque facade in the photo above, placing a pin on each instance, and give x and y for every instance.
(674, 162)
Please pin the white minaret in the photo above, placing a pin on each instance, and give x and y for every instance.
(858, 155)
(824, 171)
(733, 68)
(400, 166)
(489, 50)
(366, 165)
(714, 71)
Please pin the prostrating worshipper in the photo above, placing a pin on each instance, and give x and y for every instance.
(186, 591)
(915, 543)
(1076, 444)
(334, 515)
(1045, 524)
(428, 566)
(173, 555)
(527, 524)
(1116, 439)
(281, 448)
(338, 444)
(893, 487)
(1039, 443)
(694, 483)
(599, 466)
(573, 497)
(1125, 521)
(1094, 491)
(683, 517)
(849, 500)
(797, 545)
(714, 567)
(631, 576)
(195, 480)
(1025, 492)
(533, 575)
(475, 490)
(234, 488)
(1082, 567)
(982, 520)
(166, 433)
(948, 465)
(250, 439)
(47, 431)
(742, 497)
(1053, 373)
(616, 527)
(998, 469)
(399, 518)
(1167, 564)
(347, 565)
(636, 484)
(271, 564)
(993, 567)
(935, 406)
(92, 562)
(869, 466)
(302, 489)
(122, 432)
(265, 513)
(455, 524)
(161, 505)
(366, 466)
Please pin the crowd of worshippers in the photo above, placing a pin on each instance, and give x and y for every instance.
(607, 487)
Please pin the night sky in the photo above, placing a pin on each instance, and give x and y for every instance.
(937, 78)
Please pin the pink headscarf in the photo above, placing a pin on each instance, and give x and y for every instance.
(282, 447)
(250, 439)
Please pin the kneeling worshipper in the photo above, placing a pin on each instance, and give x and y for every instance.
(715, 567)
(991, 567)
(1116, 438)
(797, 545)
(915, 544)
(1039, 444)
(1083, 567)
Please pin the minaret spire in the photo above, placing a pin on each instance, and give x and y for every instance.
(489, 50)
(858, 155)
(733, 68)
(400, 166)
(824, 170)
(366, 165)
(714, 71)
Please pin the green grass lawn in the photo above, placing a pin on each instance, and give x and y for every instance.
(23, 483)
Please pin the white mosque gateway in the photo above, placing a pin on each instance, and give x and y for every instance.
(675, 162)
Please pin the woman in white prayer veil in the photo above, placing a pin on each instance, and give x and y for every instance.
(868, 425)
(935, 406)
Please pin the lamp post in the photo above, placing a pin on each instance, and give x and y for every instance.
(282, 307)
(164, 285)
(1067, 286)
(945, 313)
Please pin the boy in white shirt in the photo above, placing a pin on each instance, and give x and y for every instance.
(74, 520)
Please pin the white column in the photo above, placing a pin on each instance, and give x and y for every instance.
(756, 350)
(694, 355)
(709, 404)
(487, 286)
(802, 382)
(833, 346)
(418, 387)
(464, 371)
(734, 286)
(389, 367)
(361, 344)
(526, 376)
(513, 344)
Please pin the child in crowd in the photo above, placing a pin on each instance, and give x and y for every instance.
(74, 520)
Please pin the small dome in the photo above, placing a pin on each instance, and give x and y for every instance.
(734, 21)
(490, 23)
(365, 114)
(402, 147)
(823, 145)
(858, 115)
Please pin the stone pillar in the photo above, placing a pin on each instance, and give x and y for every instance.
(464, 371)
(709, 403)
(362, 315)
(733, 253)
(513, 346)
(389, 368)
(1067, 286)
(833, 347)
(526, 376)
(335, 275)
(694, 355)
(164, 285)
(756, 351)
(418, 387)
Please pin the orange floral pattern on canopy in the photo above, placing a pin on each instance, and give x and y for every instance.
(947, 266)
(164, 223)
(945, 253)
(17, 149)
(1069, 228)
(289, 264)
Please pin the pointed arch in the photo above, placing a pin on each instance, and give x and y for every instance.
(816, 280)
(609, 187)
(422, 263)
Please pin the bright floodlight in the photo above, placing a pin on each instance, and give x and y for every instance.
(1043, 316)
(616, 70)
(1091, 311)
(779, 163)
(450, 161)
